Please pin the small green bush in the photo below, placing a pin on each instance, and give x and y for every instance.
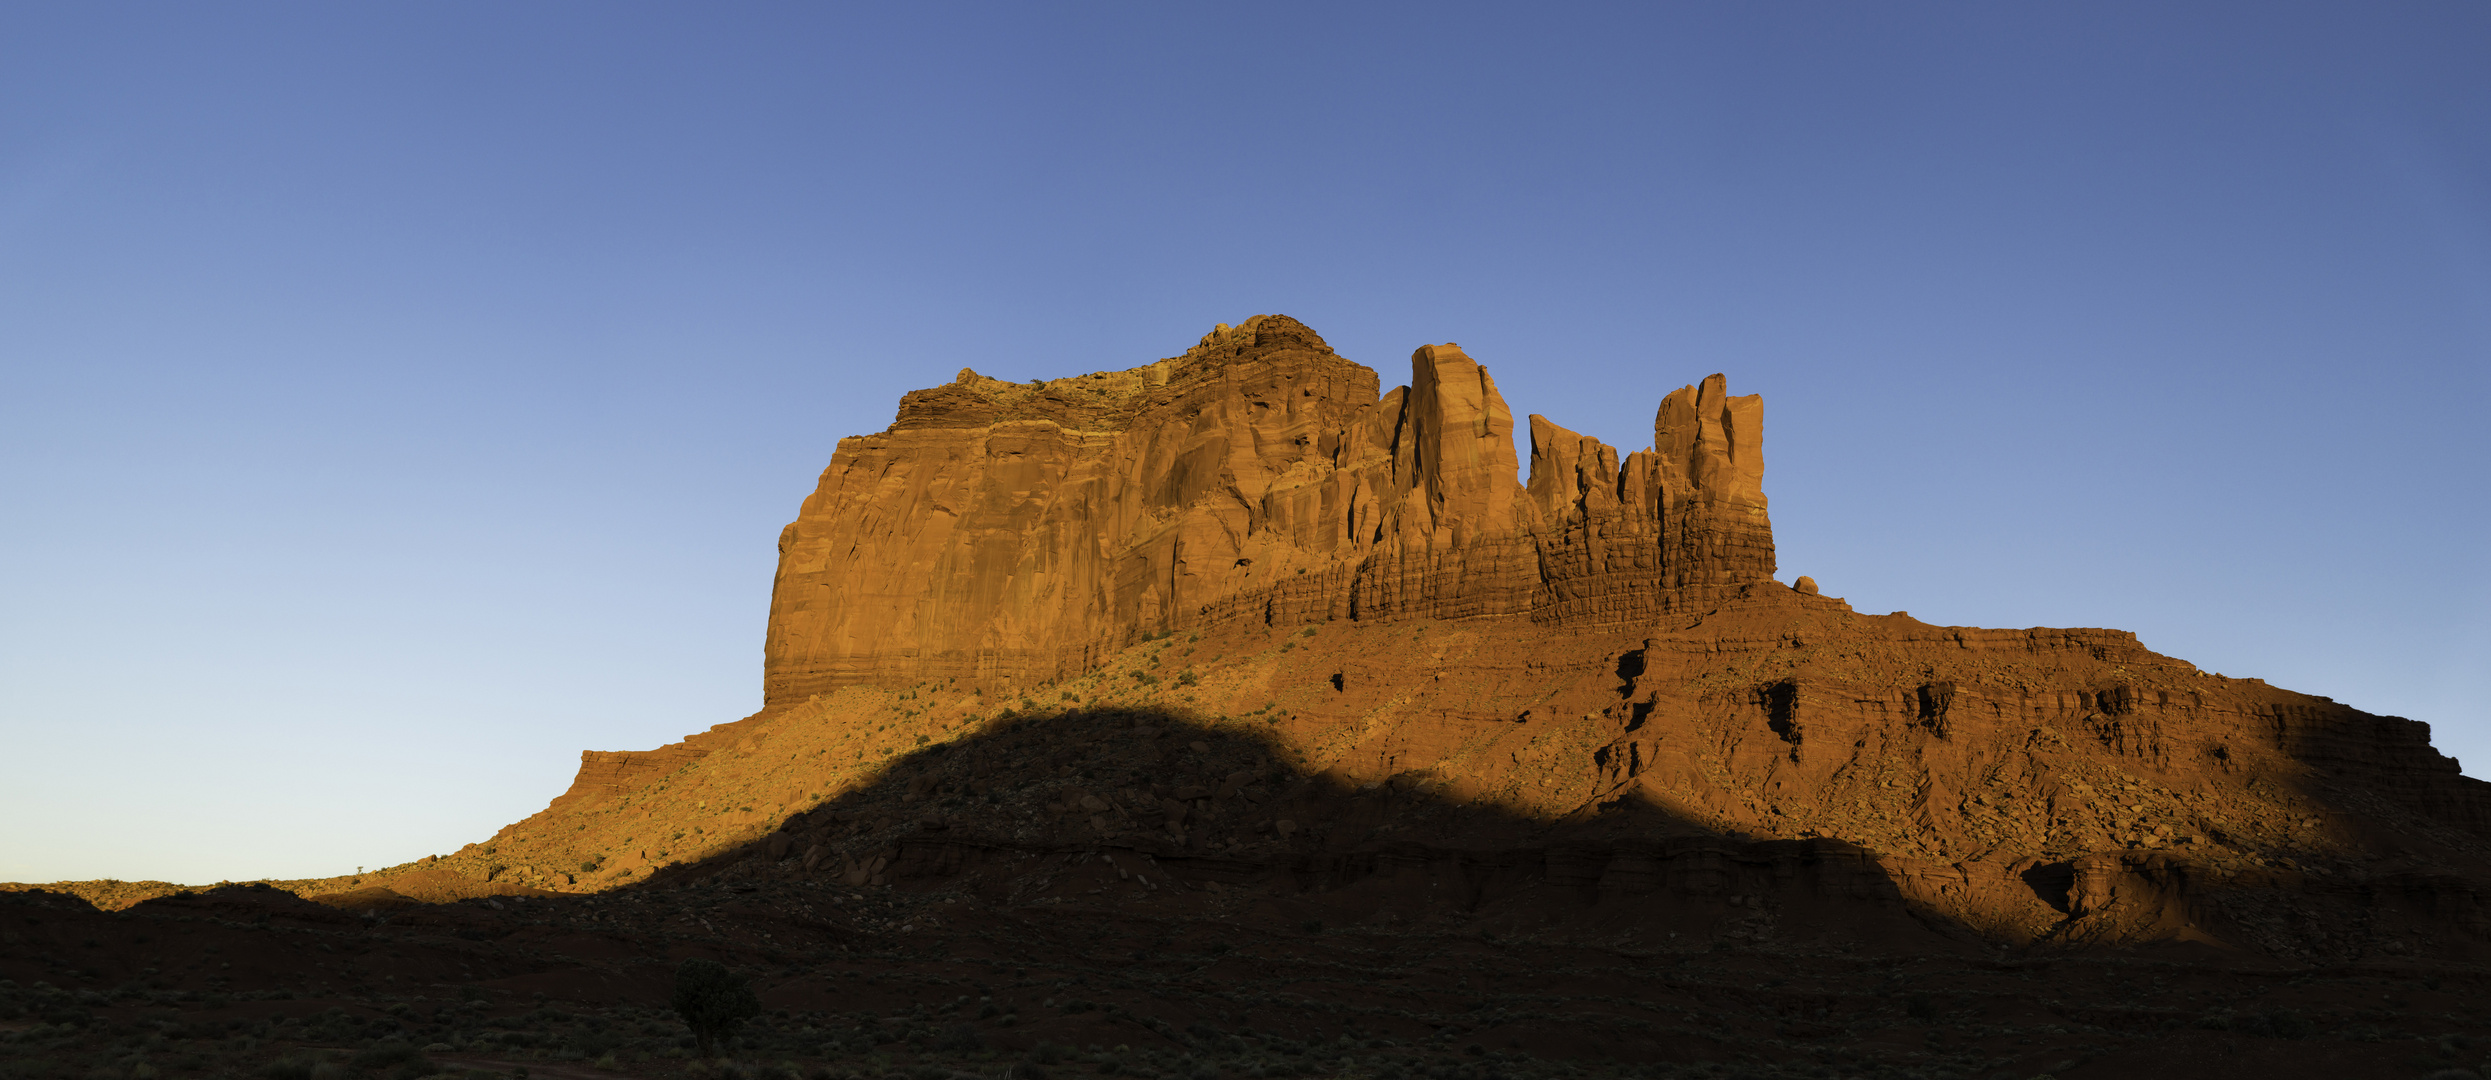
(287, 1068)
(712, 1002)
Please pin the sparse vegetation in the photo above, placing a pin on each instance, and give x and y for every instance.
(713, 1002)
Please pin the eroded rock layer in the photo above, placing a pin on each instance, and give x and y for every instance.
(1017, 532)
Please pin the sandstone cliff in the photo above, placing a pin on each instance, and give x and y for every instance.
(1017, 533)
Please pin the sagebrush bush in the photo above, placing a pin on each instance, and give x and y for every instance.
(382, 1055)
(287, 1068)
(712, 1002)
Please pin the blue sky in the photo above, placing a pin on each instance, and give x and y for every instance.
(397, 399)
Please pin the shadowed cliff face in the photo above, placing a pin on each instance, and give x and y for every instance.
(1014, 533)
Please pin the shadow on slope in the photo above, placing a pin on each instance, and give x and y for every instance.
(1152, 807)
(1124, 878)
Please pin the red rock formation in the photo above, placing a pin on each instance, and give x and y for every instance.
(1591, 675)
(1404, 668)
(1012, 533)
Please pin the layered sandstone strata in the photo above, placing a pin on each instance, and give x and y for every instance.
(1010, 532)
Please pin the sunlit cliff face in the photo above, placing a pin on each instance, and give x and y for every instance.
(1017, 533)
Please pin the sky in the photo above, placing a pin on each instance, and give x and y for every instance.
(397, 399)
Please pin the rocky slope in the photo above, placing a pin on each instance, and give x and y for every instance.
(1115, 967)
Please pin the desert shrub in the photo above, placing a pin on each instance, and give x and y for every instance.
(383, 1055)
(2271, 1024)
(287, 1068)
(712, 1001)
(2274, 1024)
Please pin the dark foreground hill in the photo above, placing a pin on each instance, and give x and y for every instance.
(1600, 947)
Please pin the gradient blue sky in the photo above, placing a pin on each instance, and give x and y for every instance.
(397, 399)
